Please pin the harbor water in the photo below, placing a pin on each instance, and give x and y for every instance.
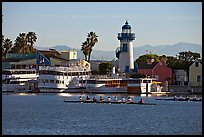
(48, 114)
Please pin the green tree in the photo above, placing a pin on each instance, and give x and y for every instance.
(144, 58)
(188, 56)
(174, 63)
(24, 43)
(105, 67)
(20, 44)
(183, 60)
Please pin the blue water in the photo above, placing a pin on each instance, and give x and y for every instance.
(48, 114)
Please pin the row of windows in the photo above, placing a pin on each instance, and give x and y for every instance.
(113, 81)
(12, 82)
(56, 81)
(51, 81)
(62, 73)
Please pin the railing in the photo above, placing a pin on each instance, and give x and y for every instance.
(129, 36)
(117, 52)
(63, 69)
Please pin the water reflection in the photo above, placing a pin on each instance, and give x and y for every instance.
(64, 94)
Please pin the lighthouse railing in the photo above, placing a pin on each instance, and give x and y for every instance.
(118, 51)
(130, 36)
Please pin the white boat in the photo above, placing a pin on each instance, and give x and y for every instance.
(63, 78)
(125, 85)
(144, 85)
(14, 80)
(106, 85)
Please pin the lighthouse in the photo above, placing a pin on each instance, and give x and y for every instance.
(125, 51)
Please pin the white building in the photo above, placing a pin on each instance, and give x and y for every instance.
(69, 54)
(125, 51)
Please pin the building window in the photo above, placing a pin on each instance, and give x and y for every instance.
(196, 64)
(127, 68)
(52, 81)
(198, 78)
(57, 81)
(46, 81)
(125, 48)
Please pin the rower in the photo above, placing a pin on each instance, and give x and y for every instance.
(94, 99)
(175, 97)
(109, 99)
(195, 98)
(115, 99)
(80, 98)
(141, 101)
(87, 98)
(123, 99)
(129, 99)
(187, 98)
(101, 99)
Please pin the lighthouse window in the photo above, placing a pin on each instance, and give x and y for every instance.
(125, 48)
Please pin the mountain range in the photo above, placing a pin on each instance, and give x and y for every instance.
(168, 50)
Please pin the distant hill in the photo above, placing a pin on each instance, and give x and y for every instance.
(168, 50)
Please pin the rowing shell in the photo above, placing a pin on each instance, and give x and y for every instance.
(106, 102)
(172, 99)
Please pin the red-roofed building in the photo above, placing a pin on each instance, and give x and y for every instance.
(158, 70)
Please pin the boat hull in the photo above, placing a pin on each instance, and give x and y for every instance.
(106, 102)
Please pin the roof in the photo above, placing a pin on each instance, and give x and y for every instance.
(197, 60)
(59, 58)
(200, 60)
(126, 26)
(50, 53)
(144, 65)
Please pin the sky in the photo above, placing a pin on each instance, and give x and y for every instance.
(68, 23)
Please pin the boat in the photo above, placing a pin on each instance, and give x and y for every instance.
(106, 85)
(180, 99)
(144, 85)
(107, 102)
(122, 85)
(67, 78)
(15, 80)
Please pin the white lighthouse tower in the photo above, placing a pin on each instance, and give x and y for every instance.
(125, 52)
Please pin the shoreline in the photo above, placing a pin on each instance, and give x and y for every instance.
(103, 92)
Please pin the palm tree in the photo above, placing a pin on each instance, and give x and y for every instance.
(20, 45)
(23, 42)
(92, 40)
(7, 44)
(85, 49)
(3, 49)
(87, 46)
(31, 39)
